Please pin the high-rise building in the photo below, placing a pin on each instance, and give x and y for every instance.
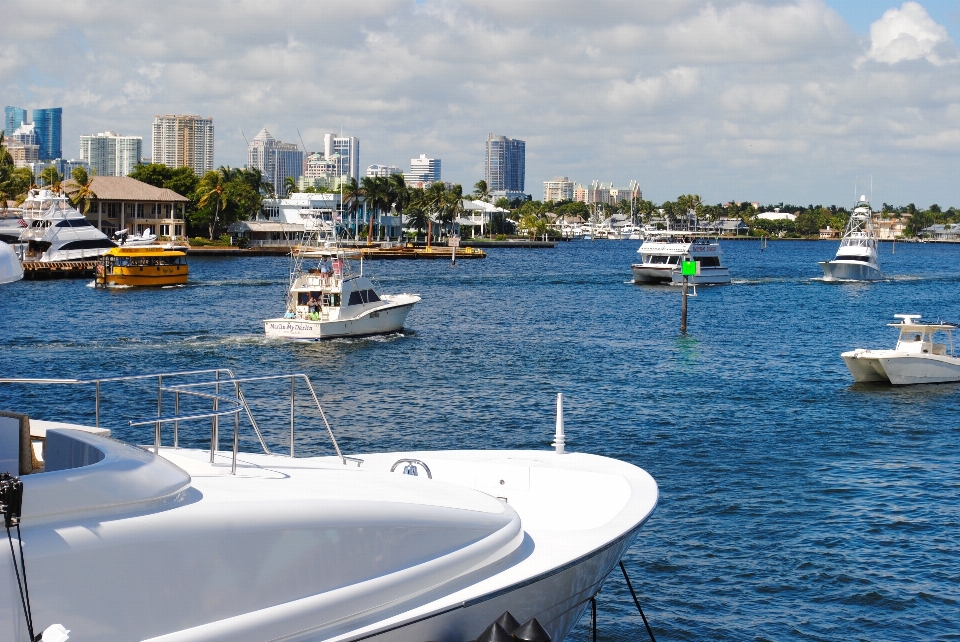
(111, 154)
(423, 171)
(559, 189)
(348, 150)
(506, 164)
(47, 124)
(275, 160)
(382, 170)
(13, 117)
(183, 141)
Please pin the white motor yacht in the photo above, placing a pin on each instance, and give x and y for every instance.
(856, 258)
(164, 543)
(10, 268)
(58, 232)
(664, 250)
(146, 237)
(917, 358)
(328, 301)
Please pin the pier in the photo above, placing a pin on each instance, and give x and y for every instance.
(41, 270)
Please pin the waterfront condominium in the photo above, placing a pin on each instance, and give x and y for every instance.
(276, 161)
(559, 189)
(47, 124)
(183, 141)
(347, 151)
(382, 171)
(111, 154)
(423, 171)
(13, 117)
(506, 164)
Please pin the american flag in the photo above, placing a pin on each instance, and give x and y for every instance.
(22, 223)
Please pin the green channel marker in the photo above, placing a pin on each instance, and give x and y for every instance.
(688, 268)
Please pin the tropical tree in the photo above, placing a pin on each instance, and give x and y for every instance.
(289, 185)
(376, 195)
(435, 199)
(51, 177)
(82, 190)
(453, 206)
(213, 187)
(399, 192)
(351, 199)
(481, 190)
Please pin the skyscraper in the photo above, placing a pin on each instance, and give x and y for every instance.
(47, 125)
(275, 160)
(423, 171)
(348, 149)
(183, 141)
(110, 154)
(506, 164)
(13, 117)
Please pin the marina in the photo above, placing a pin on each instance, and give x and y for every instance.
(784, 486)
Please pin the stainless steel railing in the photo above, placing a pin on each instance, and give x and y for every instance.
(222, 405)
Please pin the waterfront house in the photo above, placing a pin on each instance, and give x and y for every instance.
(828, 233)
(126, 203)
(949, 232)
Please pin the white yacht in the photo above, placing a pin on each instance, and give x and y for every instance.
(12, 225)
(328, 300)
(165, 543)
(58, 232)
(125, 238)
(662, 252)
(856, 258)
(10, 268)
(917, 358)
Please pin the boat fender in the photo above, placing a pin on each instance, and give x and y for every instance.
(531, 631)
(495, 633)
(508, 622)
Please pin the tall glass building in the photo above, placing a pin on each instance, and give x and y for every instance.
(505, 164)
(13, 117)
(48, 127)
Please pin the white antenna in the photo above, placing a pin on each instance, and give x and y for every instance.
(558, 439)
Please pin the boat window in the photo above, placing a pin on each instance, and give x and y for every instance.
(854, 257)
(64, 223)
(709, 261)
(303, 298)
(372, 296)
(355, 298)
(673, 260)
(335, 300)
(80, 222)
(89, 244)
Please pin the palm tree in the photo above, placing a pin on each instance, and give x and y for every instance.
(212, 185)
(289, 185)
(399, 192)
(351, 199)
(84, 189)
(453, 206)
(376, 194)
(51, 177)
(435, 198)
(481, 190)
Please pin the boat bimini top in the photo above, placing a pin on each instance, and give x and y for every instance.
(918, 337)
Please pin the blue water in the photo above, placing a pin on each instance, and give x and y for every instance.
(794, 504)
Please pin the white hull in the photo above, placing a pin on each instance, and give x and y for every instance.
(652, 273)
(10, 269)
(382, 320)
(901, 369)
(839, 270)
(707, 276)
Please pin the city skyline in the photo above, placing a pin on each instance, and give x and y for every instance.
(772, 100)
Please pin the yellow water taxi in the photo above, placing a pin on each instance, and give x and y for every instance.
(150, 265)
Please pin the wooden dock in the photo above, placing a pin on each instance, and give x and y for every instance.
(42, 270)
(390, 253)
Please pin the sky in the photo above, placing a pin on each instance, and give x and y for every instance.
(796, 101)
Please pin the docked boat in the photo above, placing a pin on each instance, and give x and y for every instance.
(150, 540)
(146, 237)
(58, 232)
(857, 258)
(142, 266)
(327, 300)
(662, 252)
(917, 358)
(10, 268)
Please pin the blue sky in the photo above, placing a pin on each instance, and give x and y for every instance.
(769, 100)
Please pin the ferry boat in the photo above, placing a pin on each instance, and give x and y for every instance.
(664, 250)
(328, 300)
(151, 540)
(917, 357)
(142, 266)
(57, 231)
(857, 258)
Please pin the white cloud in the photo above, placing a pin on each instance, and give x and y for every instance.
(909, 33)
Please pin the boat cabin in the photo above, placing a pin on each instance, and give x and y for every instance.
(920, 338)
(323, 294)
(144, 265)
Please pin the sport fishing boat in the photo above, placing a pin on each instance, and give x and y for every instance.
(58, 232)
(856, 258)
(662, 252)
(917, 358)
(328, 300)
(150, 540)
(142, 265)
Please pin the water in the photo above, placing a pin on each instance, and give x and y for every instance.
(794, 504)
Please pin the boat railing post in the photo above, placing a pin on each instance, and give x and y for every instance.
(215, 424)
(156, 429)
(236, 431)
(683, 307)
(176, 424)
(292, 411)
(96, 405)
